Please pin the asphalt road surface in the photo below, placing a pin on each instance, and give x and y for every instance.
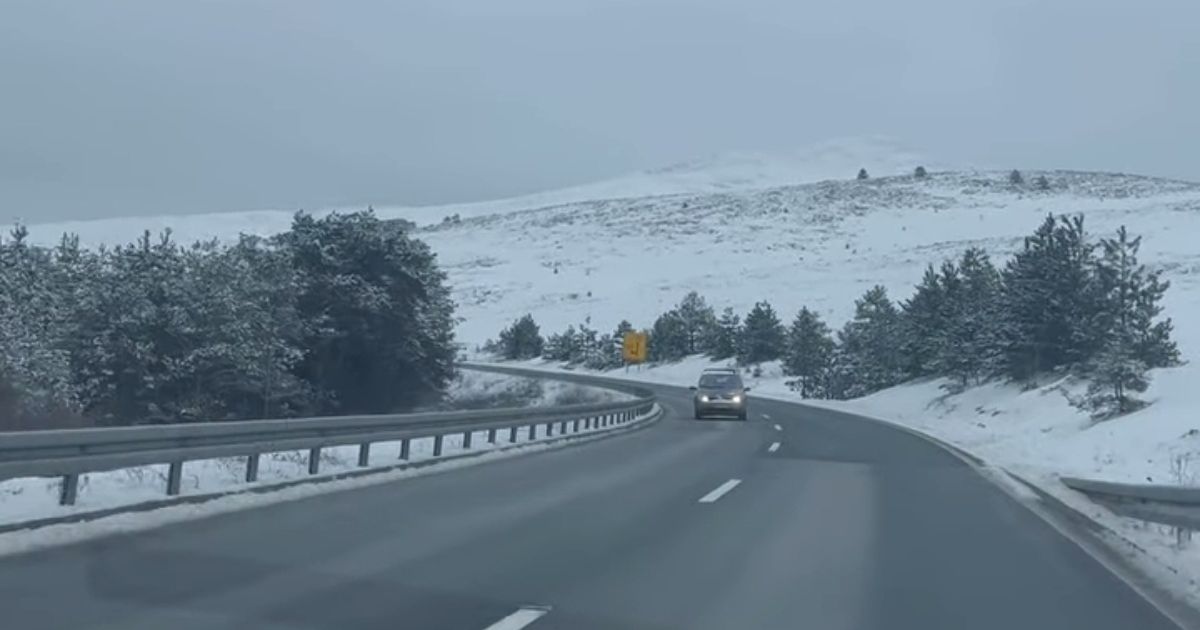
(795, 519)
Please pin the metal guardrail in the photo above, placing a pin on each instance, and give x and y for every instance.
(72, 452)
(1178, 506)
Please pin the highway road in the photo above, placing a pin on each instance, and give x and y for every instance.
(795, 519)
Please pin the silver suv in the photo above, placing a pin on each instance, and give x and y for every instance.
(720, 392)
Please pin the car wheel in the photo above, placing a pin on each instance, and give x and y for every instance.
(699, 416)
(742, 416)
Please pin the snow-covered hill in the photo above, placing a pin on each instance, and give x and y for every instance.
(833, 159)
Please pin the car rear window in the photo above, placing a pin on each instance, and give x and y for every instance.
(720, 381)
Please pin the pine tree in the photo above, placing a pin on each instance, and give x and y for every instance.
(35, 370)
(521, 340)
(1130, 298)
(970, 349)
(562, 346)
(809, 351)
(378, 312)
(862, 174)
(1133, 341)
(1050, 300)
(726, 335)
(1116, 375)
(698, 322)
(924, 320)
(1041, 183)
(670, 337)
(763, 336)
(869, 347)
(920, 173)
(1015, 178)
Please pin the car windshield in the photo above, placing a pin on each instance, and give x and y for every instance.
(720, 381)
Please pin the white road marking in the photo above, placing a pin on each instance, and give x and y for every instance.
(766, 416)
(773, 447)
(524, 616)
(720, 491)
(778, 428)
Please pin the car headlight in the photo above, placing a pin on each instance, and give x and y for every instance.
(703, 398)
(737, 398)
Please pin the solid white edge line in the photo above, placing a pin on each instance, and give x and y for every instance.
(773, 447)
(778, 428)
(720, 491)
(524, 616)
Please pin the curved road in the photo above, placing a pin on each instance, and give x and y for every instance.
(844, 524)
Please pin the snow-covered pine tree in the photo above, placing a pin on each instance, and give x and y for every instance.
(521, 340)
(1015, 178)
(614, 354)
(869, 345)
(670, 338)
(1116, 375)
(726, 335)
(1041, 183)
(970, 349)
(809, 350)
(1132, 341)
(862, 174)
(589, 345)
(698, 322)
(923, 324)
(36, 385)
(1049, 300)
(379, 312)
(562, 346)
(763, 336)
(920, 173)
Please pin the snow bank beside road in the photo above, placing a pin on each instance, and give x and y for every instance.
(27, 499)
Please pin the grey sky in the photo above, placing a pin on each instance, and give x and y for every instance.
(156, 106)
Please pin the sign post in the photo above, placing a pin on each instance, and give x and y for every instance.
(634, 347)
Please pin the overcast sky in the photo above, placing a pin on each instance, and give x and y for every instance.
(159, 106)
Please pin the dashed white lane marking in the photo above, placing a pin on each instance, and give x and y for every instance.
(720, 491)
(766, 416)
(524, 616)
(778, 428)
(773, 447)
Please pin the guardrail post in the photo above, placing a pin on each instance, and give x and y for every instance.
(252, 468)
(69, 490)
(314, 460)
(364, 454)
(174, 478)
(404, 448)
(512, 434)
(437, 446)
(533, 431)
(549, 429)
(562, 428)
(467, 439)
(575, 426)
(491, 436)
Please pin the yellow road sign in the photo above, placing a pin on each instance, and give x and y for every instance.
(634, 347)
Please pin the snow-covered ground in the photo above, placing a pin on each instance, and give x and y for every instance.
(481, 390)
